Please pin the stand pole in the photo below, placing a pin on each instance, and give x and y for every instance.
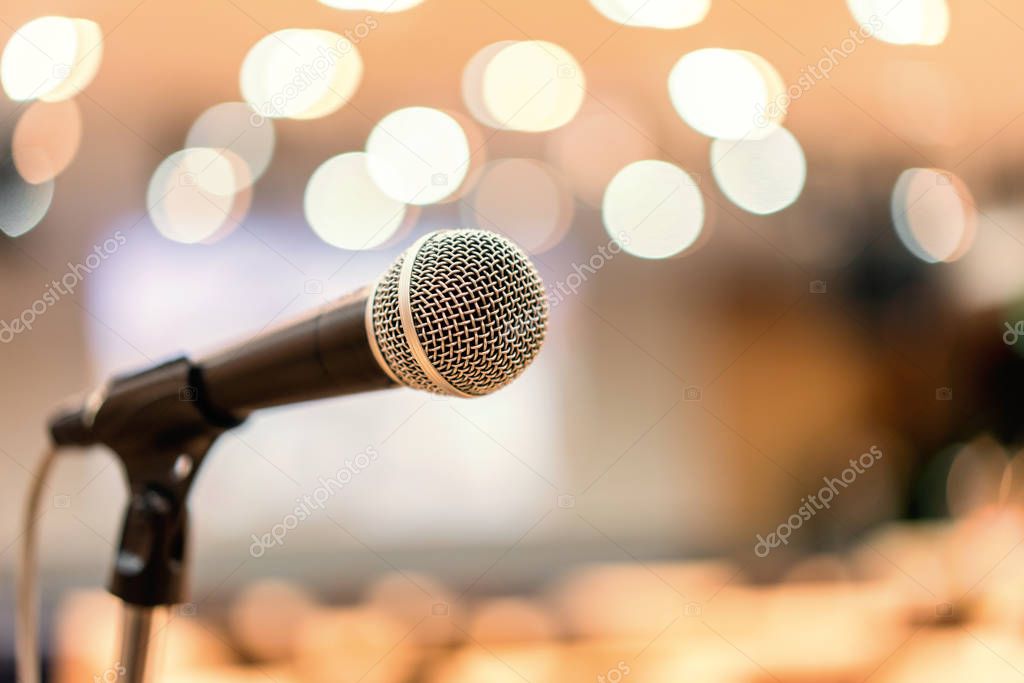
(136, 654)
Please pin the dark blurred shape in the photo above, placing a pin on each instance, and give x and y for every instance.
(991, 374)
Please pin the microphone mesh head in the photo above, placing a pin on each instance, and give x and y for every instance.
(462, 313)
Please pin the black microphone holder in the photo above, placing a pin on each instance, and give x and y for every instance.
(160, 429)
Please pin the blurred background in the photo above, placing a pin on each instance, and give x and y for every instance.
(773, 434)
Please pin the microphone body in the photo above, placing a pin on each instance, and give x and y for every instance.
(460, 313)
(326, 354)
(321, 355)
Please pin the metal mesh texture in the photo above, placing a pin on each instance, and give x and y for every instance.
(478, 307)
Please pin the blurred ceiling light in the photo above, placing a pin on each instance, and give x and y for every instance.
(418, 155)
(760, 176)
(903, 22)
(524, 200)
(473, 83)
(477, 155)
(391, 5)
(992, 275)
(530, 660)
(344, 644)
(345, 207)
(86, 64)
(512, 620)
(46, 140)
(934, 214)
(373, 5)
(237, 127)
(728, 94)
(262, 618)
(406, 596)
(975, 476)
(666, 14)
(654, 209)
(191, 195)
(531, 86)
(239, 187)
(22, 205)
(300, 73)
(51, 58)
(205, 166)
(242, 198)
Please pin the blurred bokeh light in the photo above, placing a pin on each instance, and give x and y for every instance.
(51, 58)
(934, 214)
(22, 204)
(418, 155)
(904, 22)
(345, 207)
(665, 14)
(530, 86)
(760, 176)
(472, 83)
(46, 140)
(654, 209)
(300, 73)
(729, 94)
(237, 127)
(373, 5)
(192, 194)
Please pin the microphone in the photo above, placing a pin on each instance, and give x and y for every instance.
(460, 313)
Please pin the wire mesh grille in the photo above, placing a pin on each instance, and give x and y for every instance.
(478, 308)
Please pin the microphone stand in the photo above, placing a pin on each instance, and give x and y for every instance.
(161, 431)
(135, 643)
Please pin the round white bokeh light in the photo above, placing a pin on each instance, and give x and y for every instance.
(531, 86)
(654, 209)
(300, 73)
(728, 94)
(418, 155)
(192, 194)
(903, 22)
(345, 207)
(236, 127)
(664, 14)
(934, 214)
(51, 58)
(760, 176)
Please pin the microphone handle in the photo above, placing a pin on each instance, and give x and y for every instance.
(325, 354)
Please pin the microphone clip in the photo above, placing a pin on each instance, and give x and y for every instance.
(160, 427)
